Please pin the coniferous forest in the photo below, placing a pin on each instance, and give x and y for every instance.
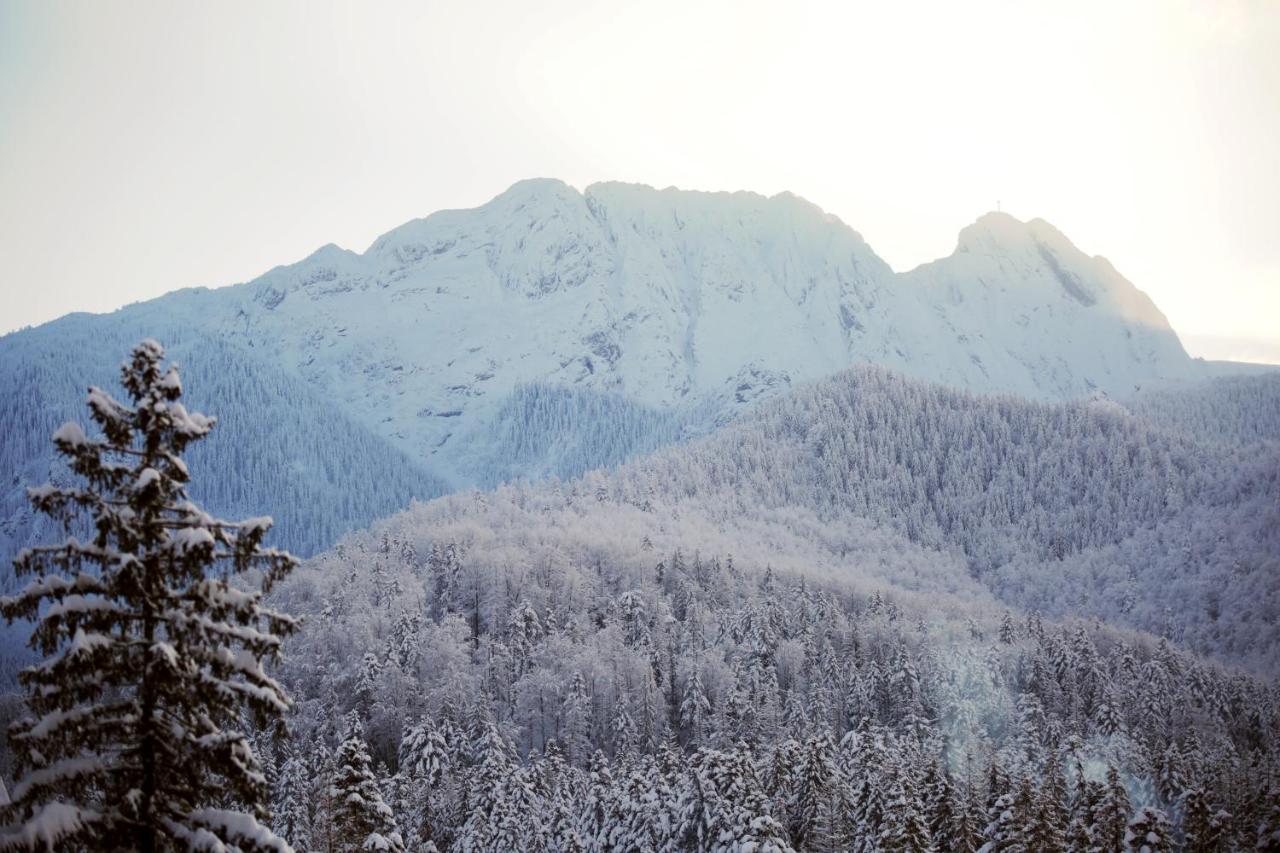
(806, 631)
(713, 648)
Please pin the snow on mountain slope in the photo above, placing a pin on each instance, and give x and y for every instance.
(685, 302)
(672, 299)
(1049, 321)
(665, 297)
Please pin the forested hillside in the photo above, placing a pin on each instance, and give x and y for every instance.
(1238, 410)
(556, 671)
(546, 430)
(1071, 508)
(279, 448)
(798, 632)
(872, 613)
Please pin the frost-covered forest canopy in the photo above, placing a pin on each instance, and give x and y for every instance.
(869, 614)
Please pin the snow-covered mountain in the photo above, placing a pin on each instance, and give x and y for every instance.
(670, 299)
(551, 331)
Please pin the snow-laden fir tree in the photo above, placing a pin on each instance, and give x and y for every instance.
(151, 651)
(903, 828)
(811, 788)
(1010, 821)
(424, 761)
(576, 711)
(1149, 832)
(292, 818)
(1203, 826)
(493, 761)
(695, 707)
(1111, 816)
(939, 800)
(362, 820)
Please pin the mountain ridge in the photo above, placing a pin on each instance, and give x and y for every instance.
(666, 312)
(670, 285)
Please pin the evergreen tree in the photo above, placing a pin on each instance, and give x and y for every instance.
(1268, 832)
(577, 720)
(939, 804)
(763, 834)
(517, 822)
(1079, 835)
(424, 760)
(967, 834)
(1011, 820)
(645, 797)
(812, 789)
(903, 827)
(424, 754)
(524, 629)
(151, 653)
(695, 707)
(292, 818)
(692, 815)
(631, 611)
(366, 688)
(868, 812)
(1149, 832)
(320, 764)
(1111, 817)
(1049, 816)
(1008, 633)
(600, 811)
(625, 736)
(1204, 828)
(403, 646)
(361, 817)
(494, 761)
(794, 714)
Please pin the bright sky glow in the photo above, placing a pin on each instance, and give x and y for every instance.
(149, 146)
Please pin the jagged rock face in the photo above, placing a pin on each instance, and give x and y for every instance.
(674, 299)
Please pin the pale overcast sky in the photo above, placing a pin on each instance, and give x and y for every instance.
(149, 146)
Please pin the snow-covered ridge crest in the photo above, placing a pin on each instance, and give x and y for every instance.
(673, 300)
(670, 297)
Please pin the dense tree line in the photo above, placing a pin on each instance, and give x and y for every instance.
(544, 430)
(567, 693)
(1076, 508)
(1233, 410)
(572, 651)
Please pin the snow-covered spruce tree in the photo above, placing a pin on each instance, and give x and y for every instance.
(424, 761)
(1111, 816)
(362, 820)
(151, 652)
(292, 813)
(1149, 832)
(1203, 827)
